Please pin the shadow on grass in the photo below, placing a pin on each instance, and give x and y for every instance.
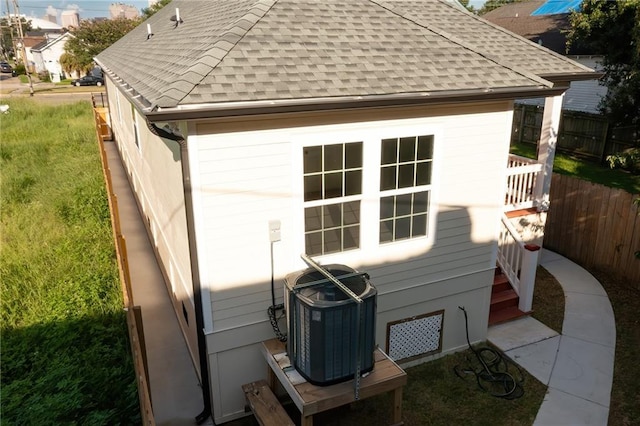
(434, 395)
(78, 371)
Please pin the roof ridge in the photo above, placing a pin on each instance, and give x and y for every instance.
(406, 15)
(226, 41)
(48, 42)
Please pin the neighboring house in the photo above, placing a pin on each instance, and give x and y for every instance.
(35, 38)
(546, 22)
(46, 56)
(369, 133)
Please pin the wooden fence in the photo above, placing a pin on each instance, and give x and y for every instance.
(595, 226)
(587, 135)
(133, 313)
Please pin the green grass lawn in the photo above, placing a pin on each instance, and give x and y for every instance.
(65, 349)
(582, 169)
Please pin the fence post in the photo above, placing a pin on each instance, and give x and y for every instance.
(605, 143)
(528, 276)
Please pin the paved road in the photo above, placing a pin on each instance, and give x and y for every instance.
(12, 87)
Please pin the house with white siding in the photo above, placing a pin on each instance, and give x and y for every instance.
(46, 55)
(367, 133)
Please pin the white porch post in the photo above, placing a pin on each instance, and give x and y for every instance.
(528, 276)
(547, 148)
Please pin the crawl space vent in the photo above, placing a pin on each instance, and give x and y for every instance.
(415, 337)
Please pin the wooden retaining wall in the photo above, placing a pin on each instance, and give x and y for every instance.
(595, 226)
(133, 312)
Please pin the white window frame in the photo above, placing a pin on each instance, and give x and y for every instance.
(136, 133)
(338, 200)
(409, 189)
(371, 135)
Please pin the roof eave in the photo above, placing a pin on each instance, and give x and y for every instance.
(577, 76)
(253, 108)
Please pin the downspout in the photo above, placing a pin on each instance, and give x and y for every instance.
(195, 272)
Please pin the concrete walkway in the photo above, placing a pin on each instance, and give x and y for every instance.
(577, 365)
(176, 395)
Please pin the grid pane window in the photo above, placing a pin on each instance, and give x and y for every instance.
(332, 228)
(331, 173)
(405, 179)
(403, 216)
(406, 162)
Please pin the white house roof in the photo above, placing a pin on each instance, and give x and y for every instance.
(262, 51)
(47, 44)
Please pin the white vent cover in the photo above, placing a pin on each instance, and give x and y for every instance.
(415, 337)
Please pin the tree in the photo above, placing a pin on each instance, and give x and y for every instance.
(92, 37)
(147, 12)
(70, 64)
(613, 29)
(494, 4)
(465, 4)
(9, 35)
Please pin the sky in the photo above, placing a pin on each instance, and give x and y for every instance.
(87, 8)
(91, 8)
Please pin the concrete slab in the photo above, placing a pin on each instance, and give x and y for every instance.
(518, 333)
(584, 369)
(578, 365)
(572, 277)
(537, 358)
(560, 408)
(176, 394)
(589, 317)
(549, 256)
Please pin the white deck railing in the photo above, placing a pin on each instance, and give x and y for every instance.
(522, 174)
(518, 262)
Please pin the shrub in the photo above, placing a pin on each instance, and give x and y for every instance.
(20, 69)
(44, 76)
(629, 160)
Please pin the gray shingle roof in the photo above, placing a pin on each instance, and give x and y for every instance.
(261, 50)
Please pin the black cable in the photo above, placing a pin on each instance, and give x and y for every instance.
(492, 375)
(271, 311)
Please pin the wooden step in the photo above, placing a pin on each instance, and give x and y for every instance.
(521, 212)
(500, 283)
(504, 299)
(506, 314)
(265, 406)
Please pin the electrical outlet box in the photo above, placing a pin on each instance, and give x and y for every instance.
(274, 230)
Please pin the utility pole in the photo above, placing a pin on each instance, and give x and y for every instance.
(24, 49)
(10, 28)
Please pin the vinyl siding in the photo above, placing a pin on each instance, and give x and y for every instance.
(155, 172)
(247, 178)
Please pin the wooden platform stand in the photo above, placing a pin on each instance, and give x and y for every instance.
(310, 399)
(265, 406)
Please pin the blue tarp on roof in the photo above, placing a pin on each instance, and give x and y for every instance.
(554, 7)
